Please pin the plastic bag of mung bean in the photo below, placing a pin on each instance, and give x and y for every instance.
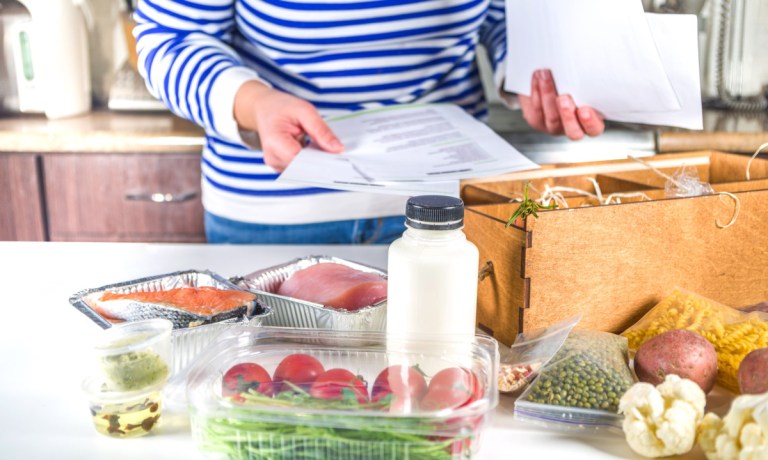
(581, 385)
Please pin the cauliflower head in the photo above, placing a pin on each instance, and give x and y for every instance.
(661, 421)
(741, 435)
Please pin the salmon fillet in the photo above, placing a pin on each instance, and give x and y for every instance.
(335, 285)
(204, 301)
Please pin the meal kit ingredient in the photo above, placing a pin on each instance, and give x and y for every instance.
(514, 377)
(753, 372)
(335, 285)
(134, 370)
(679, 352)
(733, 333)
(741, 434)
(661, 421)
(245, 377)
(340, 384)
(299, 369)
(528, 207)
(296, 425)
(404, 385)
(761, 307)
(127, 419)
(590, 371)
(451, 387)
(321, 435)
(680, 310)
(433, 272)
(204, 300)
(733, 342)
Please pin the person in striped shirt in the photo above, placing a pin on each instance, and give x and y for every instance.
(277, 68)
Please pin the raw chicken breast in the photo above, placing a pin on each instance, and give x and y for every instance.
(335, 285)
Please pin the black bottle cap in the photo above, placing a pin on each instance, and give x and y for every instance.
(434, 212)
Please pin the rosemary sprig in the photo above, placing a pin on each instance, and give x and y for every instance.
(528, 207)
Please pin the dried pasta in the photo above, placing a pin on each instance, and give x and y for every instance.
(733, 333)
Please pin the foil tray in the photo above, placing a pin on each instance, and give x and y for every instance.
(291, 312)
(187, 340)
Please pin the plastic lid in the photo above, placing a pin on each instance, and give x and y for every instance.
(132, 336)
(434, 212)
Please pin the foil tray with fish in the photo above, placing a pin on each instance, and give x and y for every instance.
(187, 298)
(199, 303)
(321, 292)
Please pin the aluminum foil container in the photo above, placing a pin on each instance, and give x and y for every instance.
(192, 333)
(291, 312)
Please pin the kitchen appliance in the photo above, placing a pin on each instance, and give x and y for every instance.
(45, 63)
(733, 37)
(128, 90)
(736, 72)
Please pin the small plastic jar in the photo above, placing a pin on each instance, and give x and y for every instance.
(123, 414)
(135, 355)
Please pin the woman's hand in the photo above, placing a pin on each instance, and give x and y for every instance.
(555, 114)
(282, 121)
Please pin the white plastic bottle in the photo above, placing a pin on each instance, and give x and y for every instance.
(432, 272)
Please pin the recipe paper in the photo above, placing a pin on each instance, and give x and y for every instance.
(677, 38)
(407, 149)
(607, 54)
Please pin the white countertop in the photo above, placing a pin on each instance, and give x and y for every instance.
(44, 352)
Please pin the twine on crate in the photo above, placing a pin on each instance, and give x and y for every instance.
(555, 194)
(757, 152)
(657, 171)
(736, 201)
(737, 205)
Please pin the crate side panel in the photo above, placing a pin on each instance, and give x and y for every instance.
(733, 168)
(613, 263)
(501, 294)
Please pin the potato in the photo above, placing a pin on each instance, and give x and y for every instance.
(680, 352)
(753, 372)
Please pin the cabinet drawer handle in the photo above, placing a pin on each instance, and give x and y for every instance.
(161, 197)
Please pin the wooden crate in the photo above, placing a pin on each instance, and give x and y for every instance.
(612, 263)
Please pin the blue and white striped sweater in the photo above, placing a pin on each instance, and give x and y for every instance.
(340, 55)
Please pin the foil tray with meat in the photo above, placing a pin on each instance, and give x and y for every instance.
(321, 292)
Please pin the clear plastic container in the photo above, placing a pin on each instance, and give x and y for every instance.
(442, 417)
(123, 414)
(135, 355)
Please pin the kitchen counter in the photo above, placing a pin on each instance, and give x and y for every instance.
(101, 132)
(723, 131)
(105, 131)
(44, 348)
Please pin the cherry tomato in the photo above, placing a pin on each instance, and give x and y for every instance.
(243, 377)
(452, 387)
(406, 385)
(340, 384)
(299, 369)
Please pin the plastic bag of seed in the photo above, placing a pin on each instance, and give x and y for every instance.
(520, 363)
(581, 385)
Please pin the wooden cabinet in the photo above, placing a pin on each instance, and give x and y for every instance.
(123, 197)
(22, 216)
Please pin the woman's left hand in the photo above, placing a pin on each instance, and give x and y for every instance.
(555, 114)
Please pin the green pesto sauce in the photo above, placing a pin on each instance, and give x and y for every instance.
(135, 370)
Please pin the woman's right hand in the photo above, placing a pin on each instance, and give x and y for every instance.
(282, 122)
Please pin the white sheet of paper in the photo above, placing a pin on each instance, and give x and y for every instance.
(676, 37)
(600, 51)
(321, 169)
(407, 149)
